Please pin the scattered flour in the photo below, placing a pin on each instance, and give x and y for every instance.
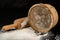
(23, 34)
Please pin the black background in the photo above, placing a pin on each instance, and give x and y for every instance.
(14, 9)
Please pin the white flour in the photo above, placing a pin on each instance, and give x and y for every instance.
(24, 22)
(23, 34)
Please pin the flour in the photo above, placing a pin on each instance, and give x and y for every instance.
(24, 22)
(22, 34)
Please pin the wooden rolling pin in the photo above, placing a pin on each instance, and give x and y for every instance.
(42, 17)
(17, 24)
